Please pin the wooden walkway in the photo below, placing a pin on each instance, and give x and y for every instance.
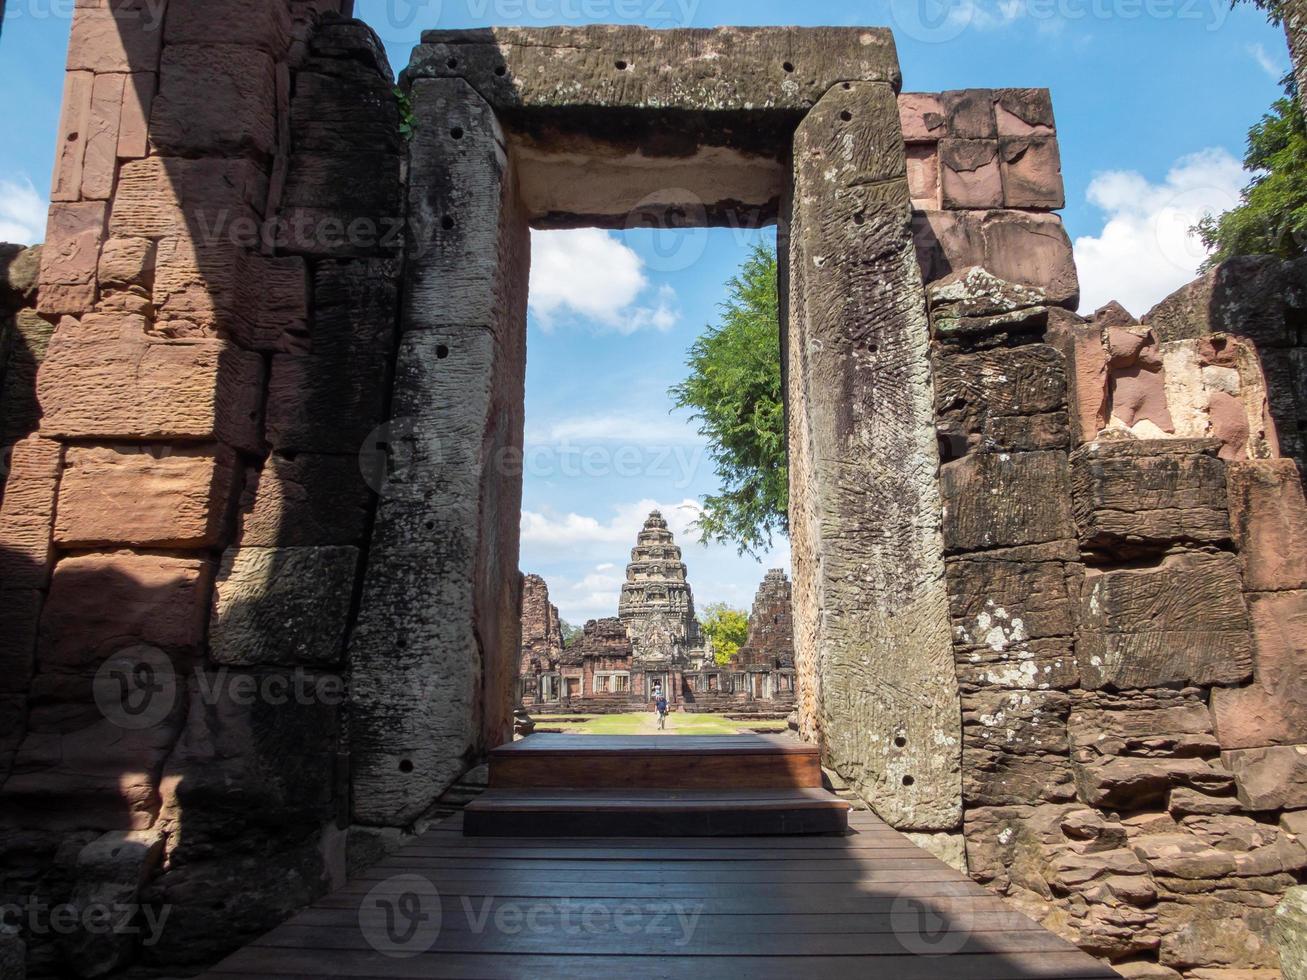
(869, 905)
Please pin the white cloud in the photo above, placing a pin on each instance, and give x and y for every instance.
(629, 429)
(592, 274)
(1266, 62)
(1146, 249)
(581, 533)
(22, 212)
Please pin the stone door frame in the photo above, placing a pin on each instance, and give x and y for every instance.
(520, 129)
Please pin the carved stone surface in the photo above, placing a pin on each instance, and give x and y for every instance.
(1009, 399)
(1004, 500)
(874, 660)
(657, 604)
(283, 606)
(1013, 617)
(1183, 621)
(437, 640)
(1269, 517)
(1150, 493)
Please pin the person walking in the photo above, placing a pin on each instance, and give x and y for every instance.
(660, 705)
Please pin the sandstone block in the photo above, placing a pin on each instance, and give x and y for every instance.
(921, 116)
(334, 111)
(146, 499)
(970, 114)
(257, 757)
(1216, 388)
(1013, 617)
(27, 514)
(1002, 400)
(1032, 173)
(1155, 493)
(1002, 500)
(1024, 112)
(282, 606)
(73, 120)
(1270, 778)
(137, 389)
(133, 126)
(330, 399)
(1269, 517)
(216, 100)
(1017, 246)
(122, 38)
(221, 289)
(923, 176)
(971, 177)
(206, 200)
(1081, 343)
(111, 871)
(69, 257)
(96, 776)
(255, 23)
(307, 501)
(1204, 931)
(1129, 783)
(127, 262)
(1183, 621)
(100, 162)
(1148, 724)
(101, 603)
(1273, 709)
(975, 293)
(663, 69)
(1015, 748)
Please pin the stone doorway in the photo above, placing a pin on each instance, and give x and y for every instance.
(600, 127)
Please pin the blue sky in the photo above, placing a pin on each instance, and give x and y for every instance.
(1153, 97)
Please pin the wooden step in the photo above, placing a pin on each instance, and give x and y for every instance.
(654, 813)
(728, 762)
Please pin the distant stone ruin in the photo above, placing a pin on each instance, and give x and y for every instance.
(655, 644)
(1049, 584)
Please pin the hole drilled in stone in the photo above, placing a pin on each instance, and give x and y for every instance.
(788, 66)
(447, 222)
(901, 742)
(452, 62)
(622, 66)
(456, 132)
(405, 765)
(442, 352)
(501, 71)
(859, 219)
(846, 116)
(909, 781)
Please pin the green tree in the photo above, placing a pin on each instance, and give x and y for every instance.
(1272, 218)
(734, 392)
(727, 628)
(570, 633)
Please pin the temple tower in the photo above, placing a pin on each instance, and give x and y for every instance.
(657, 605)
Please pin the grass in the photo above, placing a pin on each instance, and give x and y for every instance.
(646, 723)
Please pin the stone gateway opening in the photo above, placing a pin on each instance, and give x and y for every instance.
(259, 546)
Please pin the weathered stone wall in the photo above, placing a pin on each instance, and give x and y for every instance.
(188, 439)
(24, 337)
(1125, 616)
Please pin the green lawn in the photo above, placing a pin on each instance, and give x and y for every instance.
(646, 723)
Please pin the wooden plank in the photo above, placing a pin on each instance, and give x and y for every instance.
(555, 936)
(905, 886)
(992, 916)
(991, 966)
